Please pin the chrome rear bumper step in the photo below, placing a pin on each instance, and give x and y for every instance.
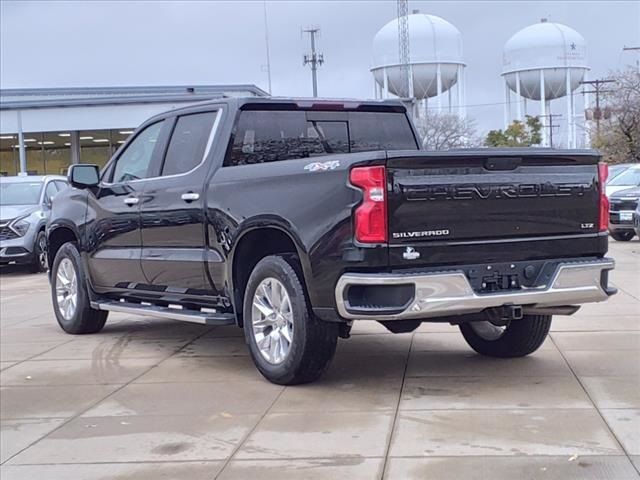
(182, 314)
(450, 293)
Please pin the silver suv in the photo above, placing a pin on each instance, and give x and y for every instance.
(25, 204)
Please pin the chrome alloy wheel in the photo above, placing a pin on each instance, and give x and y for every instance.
(42, 253)
(272, 320)
(488, 331)
(66, 289)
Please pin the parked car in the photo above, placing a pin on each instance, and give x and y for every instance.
(295, 218)
(636, 219)
(627, 179)
(622, 204)
(618, 168)
(25, 205)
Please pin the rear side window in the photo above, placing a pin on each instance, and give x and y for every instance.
(188, 143)
(61, 185)
(50, 191)
(271, 136)
(380, 131)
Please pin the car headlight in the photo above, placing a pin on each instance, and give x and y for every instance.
(20, 226)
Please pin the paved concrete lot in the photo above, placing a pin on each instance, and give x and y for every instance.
(152, 399)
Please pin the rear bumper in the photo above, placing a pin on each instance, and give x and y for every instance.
(441, 294)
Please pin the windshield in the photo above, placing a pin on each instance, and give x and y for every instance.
(20, 193)
(630, 177)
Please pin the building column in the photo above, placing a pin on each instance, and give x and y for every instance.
(23, 154)
(75, 147)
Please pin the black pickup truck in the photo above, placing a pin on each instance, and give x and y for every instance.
(294, 218)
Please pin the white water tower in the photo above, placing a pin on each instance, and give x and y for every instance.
(435, 62)
(543, 62)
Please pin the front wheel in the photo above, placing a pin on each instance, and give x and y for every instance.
(69, 293)
(39, 262)
(288, 344)
(516, 339)
(622, 236)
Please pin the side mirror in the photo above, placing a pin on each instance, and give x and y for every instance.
(83, 175)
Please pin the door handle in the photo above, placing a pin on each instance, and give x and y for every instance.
(131, 201)
(190, 196)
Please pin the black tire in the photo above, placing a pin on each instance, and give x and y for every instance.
(519, 338)
(84, 319)
(313, 341)
(623, 236)
(39, 263)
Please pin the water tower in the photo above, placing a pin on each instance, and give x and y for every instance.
(544, 62)
(435, 63)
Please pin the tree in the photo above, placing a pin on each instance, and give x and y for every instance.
(517, 134)
(619, 136)
(444, 131)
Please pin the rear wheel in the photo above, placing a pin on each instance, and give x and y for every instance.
(515, 339)
(39, 262)
(71, 302)
(622, 236)
(288, 344)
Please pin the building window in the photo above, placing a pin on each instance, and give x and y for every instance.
(9, 156)
(50, 152)
(98, 146)
(56, 150)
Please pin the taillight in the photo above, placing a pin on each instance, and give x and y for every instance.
(371, 215)
(603, 173)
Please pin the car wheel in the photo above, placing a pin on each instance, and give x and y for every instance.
(40, 262)
(288, 344)
(515, 339)
(71, 302)
(622, 236)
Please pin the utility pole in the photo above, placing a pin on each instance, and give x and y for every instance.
(266, 42)
(627, 49)
(315, 59)
(551, 125)
(597, 85)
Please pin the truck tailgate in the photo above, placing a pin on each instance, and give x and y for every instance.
(488, 195)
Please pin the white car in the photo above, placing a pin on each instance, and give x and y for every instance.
(627, 179)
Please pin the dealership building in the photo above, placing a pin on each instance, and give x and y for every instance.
(61, 126)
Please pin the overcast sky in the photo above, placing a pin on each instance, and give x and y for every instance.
(120, 43)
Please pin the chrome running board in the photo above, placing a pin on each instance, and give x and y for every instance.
(182, 314)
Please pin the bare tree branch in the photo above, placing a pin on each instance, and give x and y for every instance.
(619, 138)
(446, 131)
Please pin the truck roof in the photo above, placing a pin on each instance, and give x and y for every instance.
(303, 103)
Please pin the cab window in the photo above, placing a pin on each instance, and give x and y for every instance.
(188, 142)
(134, 162)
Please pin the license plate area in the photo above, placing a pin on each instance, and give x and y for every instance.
(626, 216)
(504, 277)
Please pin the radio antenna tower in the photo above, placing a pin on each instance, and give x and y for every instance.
(403, 47)
(315, 59)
